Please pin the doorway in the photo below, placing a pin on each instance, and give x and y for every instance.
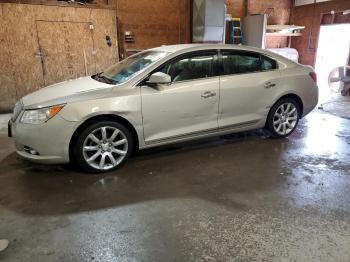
(66, 50)
(332, 52)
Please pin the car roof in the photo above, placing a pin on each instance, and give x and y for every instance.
(193, 47)
(183, 48)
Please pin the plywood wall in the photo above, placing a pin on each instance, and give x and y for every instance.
(310, 16)
(62, 31)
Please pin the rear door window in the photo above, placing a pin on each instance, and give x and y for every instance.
(240, 63)
(268, 63)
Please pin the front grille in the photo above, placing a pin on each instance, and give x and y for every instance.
(16, 110)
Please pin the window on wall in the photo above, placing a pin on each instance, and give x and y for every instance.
(191, 67)
(240, 63)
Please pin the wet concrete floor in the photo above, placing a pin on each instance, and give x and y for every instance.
(241, 197)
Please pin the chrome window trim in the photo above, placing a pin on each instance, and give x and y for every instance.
(255, 72)
(196, 79)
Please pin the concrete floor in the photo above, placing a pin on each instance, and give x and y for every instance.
(241, 197)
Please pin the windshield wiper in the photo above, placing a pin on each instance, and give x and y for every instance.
(104, 79)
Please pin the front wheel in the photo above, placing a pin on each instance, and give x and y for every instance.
(103, 147)
(283, 118)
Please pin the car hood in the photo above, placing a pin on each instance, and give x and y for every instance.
(65, 92)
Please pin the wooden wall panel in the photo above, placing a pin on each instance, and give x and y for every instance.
(105, 25)
(311, 16)
(65, 57)
(7, 75)
(99, 4)
(21, 70)
(20, 42)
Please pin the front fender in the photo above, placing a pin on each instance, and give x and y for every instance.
(127, 107)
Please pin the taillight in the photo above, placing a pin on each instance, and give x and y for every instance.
(313, 76)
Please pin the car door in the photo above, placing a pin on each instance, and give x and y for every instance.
(248, 81)
(186, 106)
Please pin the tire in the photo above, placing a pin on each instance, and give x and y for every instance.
(103, 147)
(283, 118)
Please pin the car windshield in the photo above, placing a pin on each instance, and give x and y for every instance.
(129, 67)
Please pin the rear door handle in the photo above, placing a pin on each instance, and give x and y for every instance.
(208, 94)
(269, 85)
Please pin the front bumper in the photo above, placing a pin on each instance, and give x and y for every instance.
(50, 139)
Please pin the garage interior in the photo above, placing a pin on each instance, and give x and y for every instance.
(238, 197)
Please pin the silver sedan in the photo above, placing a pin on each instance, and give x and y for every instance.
(160, 96)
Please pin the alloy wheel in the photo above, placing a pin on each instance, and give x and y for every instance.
(285, 118)
(105, 147)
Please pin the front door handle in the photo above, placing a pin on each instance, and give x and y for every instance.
(269, 85)
(208, 94)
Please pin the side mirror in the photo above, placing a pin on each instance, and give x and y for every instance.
(159, 78)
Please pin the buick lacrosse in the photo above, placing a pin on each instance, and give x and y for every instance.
(160, 96)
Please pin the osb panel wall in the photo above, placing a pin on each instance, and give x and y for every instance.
(310, 16)
(153, 23)
(22, 70)
(106, 4)
(73, 52)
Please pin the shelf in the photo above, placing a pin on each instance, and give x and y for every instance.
(284, 27)
(282, 34)
(283, 30)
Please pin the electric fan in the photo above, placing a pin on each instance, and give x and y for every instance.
(339, 80)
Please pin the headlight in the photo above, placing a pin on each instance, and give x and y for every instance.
(39, 116)
(16, 110)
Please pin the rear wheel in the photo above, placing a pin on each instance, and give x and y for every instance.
(103, 147)
(283, 118)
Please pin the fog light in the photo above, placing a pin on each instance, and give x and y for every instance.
(31, 150)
